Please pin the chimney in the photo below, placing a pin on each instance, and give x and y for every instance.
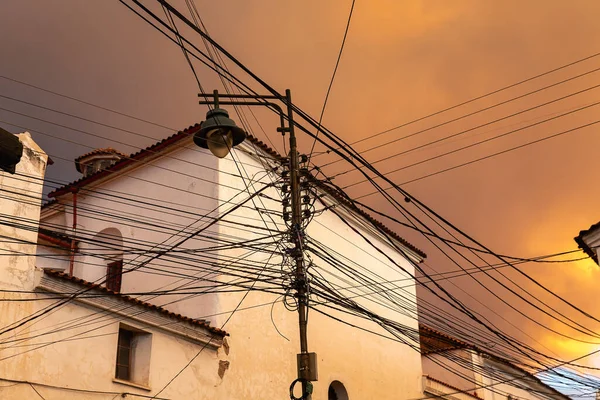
(97, 160)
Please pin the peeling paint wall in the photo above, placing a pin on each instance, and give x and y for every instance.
(20, 205)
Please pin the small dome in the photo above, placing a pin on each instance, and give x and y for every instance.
(97, 160)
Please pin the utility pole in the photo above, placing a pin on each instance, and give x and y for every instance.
(307, 363)
(219, 133)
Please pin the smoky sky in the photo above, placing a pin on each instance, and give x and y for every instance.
(402, 61)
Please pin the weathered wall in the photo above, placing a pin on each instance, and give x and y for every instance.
(143, 211)
(20, 212)
(263, 363)
(442, 366)
(75, 347)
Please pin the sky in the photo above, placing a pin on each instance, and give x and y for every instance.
(402, 61)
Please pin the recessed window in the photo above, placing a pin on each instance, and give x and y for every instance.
(124, 355)
(114, 273)
(337, 391)
(133, 355)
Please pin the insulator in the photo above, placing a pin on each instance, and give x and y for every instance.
(303, 158)
(286, 216)
(284, 188)
(285, 174)
(306, 199)
(306, 213)
(303, 171)
(285, 202)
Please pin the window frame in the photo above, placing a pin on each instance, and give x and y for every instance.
(136, 359)
(128, 335)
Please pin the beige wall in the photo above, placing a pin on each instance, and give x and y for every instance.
(20, 212)
(84, 355)
(442, 366)
(263, 363)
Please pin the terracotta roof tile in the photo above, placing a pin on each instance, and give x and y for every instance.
(133, 300)
(127, 160)
(433, 341)
(106, 150)
(57, 238)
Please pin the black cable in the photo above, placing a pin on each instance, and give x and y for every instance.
(480, 97)
(508, 133)
(479, 111)
(337, 63)
(394, 186)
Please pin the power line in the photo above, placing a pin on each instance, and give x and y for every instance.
(462, 132)
(488, 156)
(482, 96)
(482, 141)
(86, 102)
(337, 63)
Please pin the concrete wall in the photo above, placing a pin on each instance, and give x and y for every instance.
(159, 202)
(82, 355)
(263, 362)
(442, 366)
(20, 212)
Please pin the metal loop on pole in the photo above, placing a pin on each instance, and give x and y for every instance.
(305, 394)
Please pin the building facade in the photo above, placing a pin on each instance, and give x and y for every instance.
(151, 239)
(98, 344)
(457, 370)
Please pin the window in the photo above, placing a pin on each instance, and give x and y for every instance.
(124, 355)
(133, 355)
(114, 274)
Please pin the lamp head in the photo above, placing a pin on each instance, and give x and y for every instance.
(219, 133)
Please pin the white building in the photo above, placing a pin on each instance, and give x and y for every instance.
(169, 218)
(69, 352)
(456, 370)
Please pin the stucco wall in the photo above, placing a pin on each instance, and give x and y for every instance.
(20, 212)
(263, 363)
(501, 380)
(180, 183)
(442, 366)
(50, 257)
(84, 355)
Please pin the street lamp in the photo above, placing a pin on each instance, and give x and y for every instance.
(219, 134)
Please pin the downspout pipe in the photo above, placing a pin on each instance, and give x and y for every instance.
(74, 231)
